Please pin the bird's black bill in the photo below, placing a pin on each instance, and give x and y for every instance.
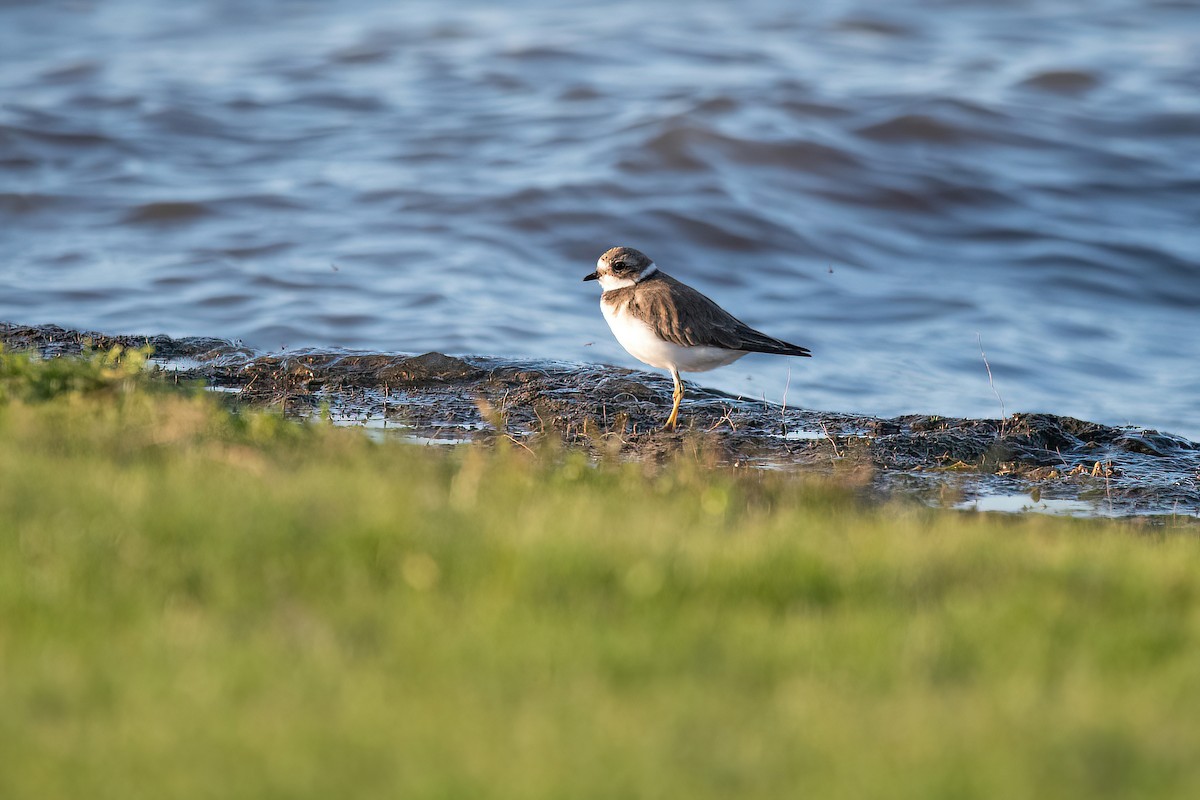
(593, 277)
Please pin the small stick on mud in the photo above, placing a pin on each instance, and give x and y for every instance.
(991, 383)
(519, 443)
(837, 453)
(1108, 490)
(726, 418)
(783, 406)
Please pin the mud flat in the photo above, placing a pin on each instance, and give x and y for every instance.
(1039, 462)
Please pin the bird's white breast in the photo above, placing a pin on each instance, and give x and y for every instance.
(644, 344)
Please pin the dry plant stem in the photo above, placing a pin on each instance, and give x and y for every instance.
(519, 443)
(837, 453)
(727, 417)
(992, 383)
(783, 406)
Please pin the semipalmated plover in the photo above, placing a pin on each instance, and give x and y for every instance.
(668, 324)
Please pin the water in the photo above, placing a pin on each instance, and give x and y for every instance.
(1019, 503)
(881, 183)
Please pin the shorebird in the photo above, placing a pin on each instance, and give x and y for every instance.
(667, 324)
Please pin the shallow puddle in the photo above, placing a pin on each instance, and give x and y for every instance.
(1017, 503)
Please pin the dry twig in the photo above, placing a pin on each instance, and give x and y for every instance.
(992, 383)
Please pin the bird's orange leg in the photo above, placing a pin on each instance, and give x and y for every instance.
(677, 397)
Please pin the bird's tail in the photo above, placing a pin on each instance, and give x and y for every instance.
(775, 347)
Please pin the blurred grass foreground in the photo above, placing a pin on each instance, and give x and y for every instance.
(199, 603)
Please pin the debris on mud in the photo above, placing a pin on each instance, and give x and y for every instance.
(613, 412)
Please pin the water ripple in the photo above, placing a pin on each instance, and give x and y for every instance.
(881, 183)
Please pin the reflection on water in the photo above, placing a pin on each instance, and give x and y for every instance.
(1014, 503)
(878, 182)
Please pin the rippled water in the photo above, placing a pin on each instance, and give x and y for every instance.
(880, 182)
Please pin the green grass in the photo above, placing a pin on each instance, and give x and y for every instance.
(198, 604)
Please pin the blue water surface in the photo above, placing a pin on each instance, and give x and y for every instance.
(893, 185)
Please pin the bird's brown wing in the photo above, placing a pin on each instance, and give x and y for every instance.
(680, 314)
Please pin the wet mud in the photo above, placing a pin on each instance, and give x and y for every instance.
(1026, 461)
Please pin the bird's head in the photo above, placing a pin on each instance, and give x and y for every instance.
(621, 267)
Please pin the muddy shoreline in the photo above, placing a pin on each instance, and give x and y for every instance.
(1038, 461)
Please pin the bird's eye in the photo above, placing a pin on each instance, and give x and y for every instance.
(620, 265)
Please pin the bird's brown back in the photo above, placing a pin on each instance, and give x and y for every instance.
(681, 315)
